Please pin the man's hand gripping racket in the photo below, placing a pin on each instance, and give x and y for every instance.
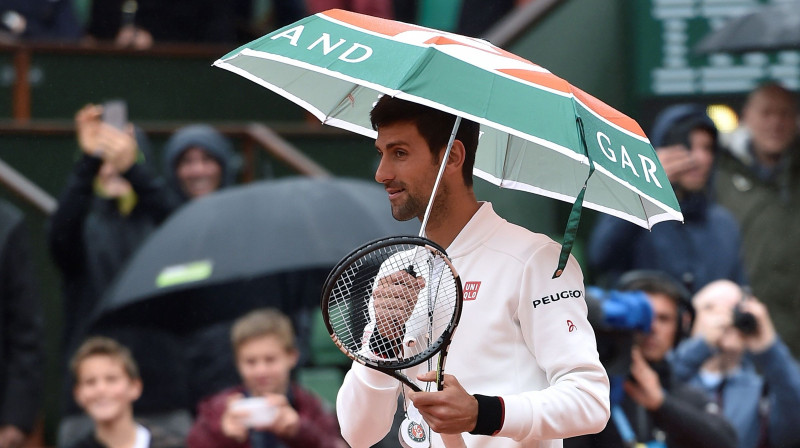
(393, 304)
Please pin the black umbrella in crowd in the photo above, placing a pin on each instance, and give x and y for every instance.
(271, 243)
(768, 28)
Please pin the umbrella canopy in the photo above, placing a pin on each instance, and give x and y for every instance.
(767, 28)
(538, 133)
(270, 243)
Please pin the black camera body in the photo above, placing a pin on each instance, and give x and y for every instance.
(744, 321)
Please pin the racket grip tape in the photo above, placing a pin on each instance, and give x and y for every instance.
(491, 414)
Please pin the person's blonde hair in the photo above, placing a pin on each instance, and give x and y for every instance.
(263, 322)
(104, 346)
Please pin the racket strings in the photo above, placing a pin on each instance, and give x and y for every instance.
(380, 312)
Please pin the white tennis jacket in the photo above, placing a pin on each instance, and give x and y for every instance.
(523, 336)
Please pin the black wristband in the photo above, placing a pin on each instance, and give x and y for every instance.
(491, 414)
(382, 346)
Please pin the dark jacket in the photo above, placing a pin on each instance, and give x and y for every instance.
(45, 20)
(90, 241)
(318, 427)
(702, 249)
(684, 420)
(706, 247)
(21, 353)
(768, 211)
(168, 21)
(157, 440)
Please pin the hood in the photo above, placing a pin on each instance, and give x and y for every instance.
(673, 125)
(208, 138)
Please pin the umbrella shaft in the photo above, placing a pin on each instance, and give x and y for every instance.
(439, 176)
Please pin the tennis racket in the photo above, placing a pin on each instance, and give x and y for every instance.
(392, 304)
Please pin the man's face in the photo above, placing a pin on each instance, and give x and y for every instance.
(715, 313)
(265, 365)
(770, 117)
(661, 338)
(701, 150)
(407, 170)
(198, 172)
(104, 390)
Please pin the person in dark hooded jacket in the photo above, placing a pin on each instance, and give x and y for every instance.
(198, 160)
(706, 246)
(110, 204)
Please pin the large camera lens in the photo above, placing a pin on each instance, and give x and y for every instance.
(744, 321)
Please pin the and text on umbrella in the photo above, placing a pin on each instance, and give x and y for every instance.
(477, 53)
(648, 166)
(355, 53)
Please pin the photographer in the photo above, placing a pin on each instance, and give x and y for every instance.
(733, 339)
(655, 409)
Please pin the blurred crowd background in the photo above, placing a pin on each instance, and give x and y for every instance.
(188, 130)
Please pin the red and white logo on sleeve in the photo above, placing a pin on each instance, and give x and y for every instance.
(471, 290)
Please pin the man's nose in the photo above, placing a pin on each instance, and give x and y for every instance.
(381, 173)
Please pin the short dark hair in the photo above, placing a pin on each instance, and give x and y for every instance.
(434, 126)
(655, 282)
(652, 281)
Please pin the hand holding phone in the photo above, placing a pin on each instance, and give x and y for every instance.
(115, 113)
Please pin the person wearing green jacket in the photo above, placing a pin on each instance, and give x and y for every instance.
(758, 180)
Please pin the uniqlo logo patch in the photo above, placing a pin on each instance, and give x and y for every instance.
(471, 290)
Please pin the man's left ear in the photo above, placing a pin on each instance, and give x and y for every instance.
(457, 155)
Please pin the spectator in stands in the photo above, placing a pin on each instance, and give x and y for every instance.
(198, 160)
(724, 358)
(706, 246)
(265, 354)
(107, 382)
(141, 23)
(656, 409)
(376, 8)
(491, 12)
(758, 180)
(110, 204)
(41, 20)
(21, 353)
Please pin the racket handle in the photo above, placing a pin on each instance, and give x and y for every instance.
(453, 441)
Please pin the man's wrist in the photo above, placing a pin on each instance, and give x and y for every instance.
(383, 346)
(491, 415)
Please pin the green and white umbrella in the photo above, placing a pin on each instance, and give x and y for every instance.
(538, 133)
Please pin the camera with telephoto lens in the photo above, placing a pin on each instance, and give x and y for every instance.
(616, 317)
(744, 321)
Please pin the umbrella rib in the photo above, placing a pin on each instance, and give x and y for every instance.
(342, 102)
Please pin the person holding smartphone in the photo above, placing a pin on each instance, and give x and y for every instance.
(110, 203)
(267, 409)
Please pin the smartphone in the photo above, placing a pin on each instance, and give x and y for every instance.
(115, 113)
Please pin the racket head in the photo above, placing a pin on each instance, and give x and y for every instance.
(348, 305)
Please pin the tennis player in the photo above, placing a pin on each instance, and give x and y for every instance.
(523, 369)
